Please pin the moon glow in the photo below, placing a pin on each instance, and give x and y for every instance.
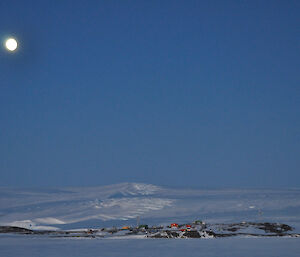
(11, 44)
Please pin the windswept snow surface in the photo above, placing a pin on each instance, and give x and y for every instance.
(121, 204)
(228, 247)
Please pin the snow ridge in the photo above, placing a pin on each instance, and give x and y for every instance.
(122, 202)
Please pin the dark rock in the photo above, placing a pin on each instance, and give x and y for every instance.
(11, 229)
(172, 234)
(192, 234)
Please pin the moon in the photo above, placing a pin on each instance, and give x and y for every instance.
(11, 44)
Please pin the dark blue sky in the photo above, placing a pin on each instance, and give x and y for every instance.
(191, 93)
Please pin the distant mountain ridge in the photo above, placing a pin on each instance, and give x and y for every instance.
(114, 204)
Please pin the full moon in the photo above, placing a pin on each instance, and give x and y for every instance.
(11, 44)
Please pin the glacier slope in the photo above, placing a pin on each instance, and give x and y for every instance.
(122, 203)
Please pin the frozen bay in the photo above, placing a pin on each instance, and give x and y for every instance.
(12, 246)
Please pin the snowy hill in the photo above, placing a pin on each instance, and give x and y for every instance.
(123, 203)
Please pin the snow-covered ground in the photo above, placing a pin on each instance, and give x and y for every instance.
(12, 246)
(121, 204)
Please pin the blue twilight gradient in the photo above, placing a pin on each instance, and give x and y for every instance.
(199, 93)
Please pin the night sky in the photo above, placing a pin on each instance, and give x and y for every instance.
(178, 93)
